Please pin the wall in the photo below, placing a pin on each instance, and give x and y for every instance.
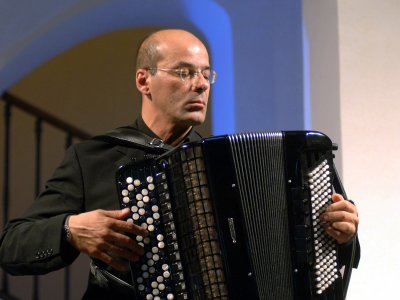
(369, 34)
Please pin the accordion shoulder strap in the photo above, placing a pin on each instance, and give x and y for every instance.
(132, 137)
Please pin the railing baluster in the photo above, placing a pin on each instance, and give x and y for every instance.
(6, 187)
(67, 274)
(38, 158)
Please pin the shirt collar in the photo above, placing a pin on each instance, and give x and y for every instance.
(191, 136)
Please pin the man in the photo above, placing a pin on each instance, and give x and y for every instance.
(78, 211)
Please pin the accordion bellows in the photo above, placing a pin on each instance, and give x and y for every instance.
(234, 217)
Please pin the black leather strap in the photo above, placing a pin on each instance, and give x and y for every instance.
(132, 137)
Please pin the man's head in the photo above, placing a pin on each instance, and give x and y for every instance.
(173, 75)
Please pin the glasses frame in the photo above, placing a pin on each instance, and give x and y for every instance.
(192, 73)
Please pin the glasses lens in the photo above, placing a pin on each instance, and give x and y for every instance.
(212, 77)
(184, 73)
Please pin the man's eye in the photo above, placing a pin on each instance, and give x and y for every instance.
(206, 74)
(185, 72)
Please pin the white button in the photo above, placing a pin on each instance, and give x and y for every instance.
(166, 274)
(170, 297)
(126, 200)
(129, 180)
(136, 182)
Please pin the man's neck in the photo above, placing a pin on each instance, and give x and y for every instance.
(169, 133)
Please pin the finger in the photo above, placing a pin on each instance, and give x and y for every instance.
(111, 237)
(342, 205)
(337, 197)
(335, 234)
(123, 253)
(124, 226)
(111, 261)
(344, 227)
(339, 216)
(339, 236)
(128, 243)
(117, 214)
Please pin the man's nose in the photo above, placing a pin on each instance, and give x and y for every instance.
(200, 82)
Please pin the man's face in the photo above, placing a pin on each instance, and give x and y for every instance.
(182, 103)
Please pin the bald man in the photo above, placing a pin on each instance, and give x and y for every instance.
(79, 211)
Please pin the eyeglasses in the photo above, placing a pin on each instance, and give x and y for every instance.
(186, 73)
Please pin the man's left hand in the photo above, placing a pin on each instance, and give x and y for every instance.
(341, 219)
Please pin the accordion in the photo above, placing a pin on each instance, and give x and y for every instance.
(235, 217)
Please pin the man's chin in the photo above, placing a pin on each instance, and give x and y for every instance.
(195, 118)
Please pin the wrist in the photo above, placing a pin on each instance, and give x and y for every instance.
(67, 230)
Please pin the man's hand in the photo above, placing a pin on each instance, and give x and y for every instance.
(102, 235)
(341, 219)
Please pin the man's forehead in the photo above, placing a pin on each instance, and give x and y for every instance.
(184, 53)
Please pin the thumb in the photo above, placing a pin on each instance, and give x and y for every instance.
(337, 198)
(117, 214)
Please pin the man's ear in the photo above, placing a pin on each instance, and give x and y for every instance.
(142, 81)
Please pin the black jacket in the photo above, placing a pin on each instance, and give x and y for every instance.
(84, 181)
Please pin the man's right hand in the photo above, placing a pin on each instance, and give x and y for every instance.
(102, 234)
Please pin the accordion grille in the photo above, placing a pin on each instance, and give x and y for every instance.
(259, 166)
(197, 227)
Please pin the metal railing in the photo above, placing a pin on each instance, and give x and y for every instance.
(42, 117)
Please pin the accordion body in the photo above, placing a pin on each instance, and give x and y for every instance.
(235, 217)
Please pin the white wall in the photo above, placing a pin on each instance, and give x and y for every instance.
(354, 50)
(369, 46)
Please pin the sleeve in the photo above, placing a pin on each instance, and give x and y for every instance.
(34, 243)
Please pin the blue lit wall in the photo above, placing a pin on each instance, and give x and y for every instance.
(256, 47)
